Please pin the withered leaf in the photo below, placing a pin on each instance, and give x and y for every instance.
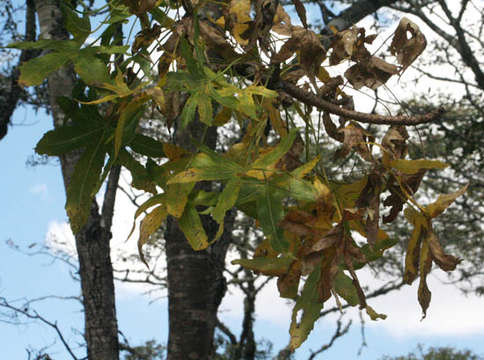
(355, 137)
(331, 128)
(307, 43)
(407, 49)
(329, 269)
(329, 239)
(370, 199)
(344, 45)
(371, 74)
(425, 265)
(395, 143)
(288, 283)
(397, 198)
(445, 261)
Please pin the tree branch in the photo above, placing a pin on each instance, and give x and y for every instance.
(313, 100)
(36, 316)
(337, 334)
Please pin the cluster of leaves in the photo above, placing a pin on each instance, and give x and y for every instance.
(309, 220)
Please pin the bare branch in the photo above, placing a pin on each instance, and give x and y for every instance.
(34, 315)
(313, 100)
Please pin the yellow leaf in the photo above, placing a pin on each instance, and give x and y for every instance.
(240, 12)
(149, 225)
(414, 166)
(177, 197)
(443, 202)
(191, 225)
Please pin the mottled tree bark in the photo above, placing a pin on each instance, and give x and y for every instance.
(92, 241)
(195, 281)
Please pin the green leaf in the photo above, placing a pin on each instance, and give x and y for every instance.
(91, 69)
(188, 113)
(126, 125)
(35, 71)
(310, 305)
(270, 212)
(66, 46)
(265, 265)
(192, 227)
(65, 139)
(414, 166)
(140, 177)
(79, 27)
(148, 146)
(205, 110)
(272, 157)
(226, 200)
(84, 180)
(343, 285)
(208, 167)
(298, 189)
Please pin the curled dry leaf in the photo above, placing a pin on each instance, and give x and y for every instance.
(445, 261)
(328, 240)
(311, 52)
(425, 265)
(370, 199)
(371, 74)
(397, 197)
(355, 137)
(405, 48)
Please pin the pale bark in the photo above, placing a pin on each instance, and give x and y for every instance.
(92, 241)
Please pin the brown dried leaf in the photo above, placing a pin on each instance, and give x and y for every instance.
(288, 283)
(331, 128)
(407, 49)
(397, 198)
(371, 74)
(425, 265)
(145, 38)
(329, 269)
(354, 137)
(445, 261)
(331, 238)
(370, 199)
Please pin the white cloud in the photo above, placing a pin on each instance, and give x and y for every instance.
(40, 190)
(450, 313)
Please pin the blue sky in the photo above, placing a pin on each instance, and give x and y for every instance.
(33, 197)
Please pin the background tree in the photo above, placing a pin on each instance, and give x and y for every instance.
(441, 353)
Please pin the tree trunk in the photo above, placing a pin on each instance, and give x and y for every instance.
(196, 284)
(92, 241)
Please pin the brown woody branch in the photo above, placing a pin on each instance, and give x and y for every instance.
(313, 100)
